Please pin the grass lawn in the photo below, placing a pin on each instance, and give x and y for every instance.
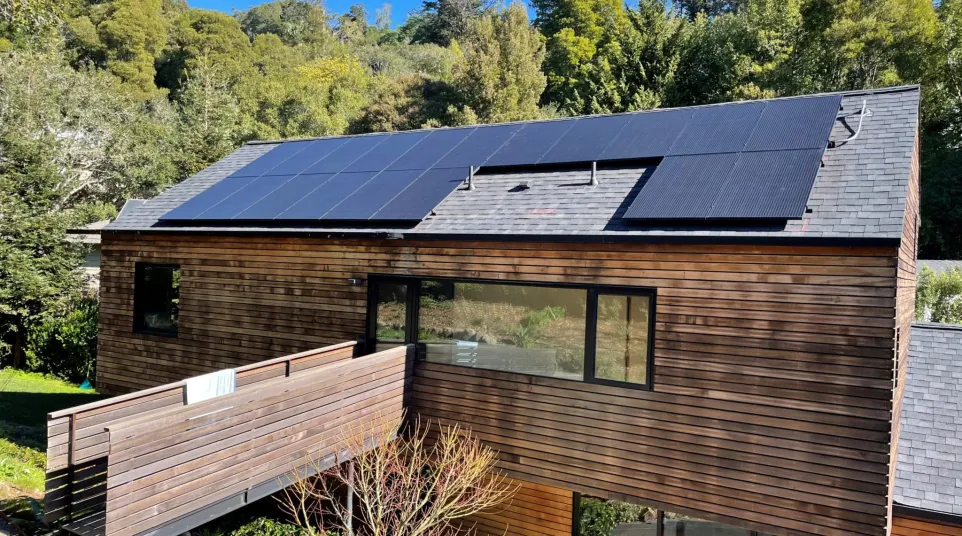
(25, 400)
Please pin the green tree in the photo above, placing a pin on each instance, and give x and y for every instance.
(204, 36)
(443, 21)
(296, 22)
(938, 296)
(500, 78)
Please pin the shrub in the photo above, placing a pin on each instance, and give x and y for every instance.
(600, 517)
(938, 296)
(65, 345)
(265, 526)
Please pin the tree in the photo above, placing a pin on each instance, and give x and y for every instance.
(296, 22)
(500, 78)
(418, 483)
(938, 296)
(199, 35)
(443, 21)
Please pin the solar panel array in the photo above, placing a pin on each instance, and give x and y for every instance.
(751, 160)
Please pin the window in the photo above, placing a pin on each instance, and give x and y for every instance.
(592, 334)
(514, 328)
(156, 298)
(600, 517)
(622, 333)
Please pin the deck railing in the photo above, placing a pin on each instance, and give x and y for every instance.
(146, 462)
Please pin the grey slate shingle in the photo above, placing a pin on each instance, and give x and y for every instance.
(859, 193)
(929, 471)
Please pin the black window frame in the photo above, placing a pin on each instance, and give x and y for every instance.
(139, 298)
(412, 317)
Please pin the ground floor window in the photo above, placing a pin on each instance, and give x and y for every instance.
(585, 333)
(600, 517)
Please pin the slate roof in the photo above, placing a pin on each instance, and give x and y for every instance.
(930, 445)
(860, 192)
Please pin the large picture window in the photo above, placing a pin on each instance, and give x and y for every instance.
(594, 334)
(601, 517)
(156, 298)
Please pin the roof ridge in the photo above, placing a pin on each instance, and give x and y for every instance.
(876, 91)
(938, 326)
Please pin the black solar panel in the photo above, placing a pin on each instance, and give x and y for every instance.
(418, 199)
(586, 140)
(530, 143)
(386, 153)
(478, 147)
(431, 149)
(736, 161)
(718, 129)
(647, 135)
(272, 159)
(682, 187)
(273, 204)
(374, 194)
(768, 184)
(801, 123)
(316, 151)
(355, 149)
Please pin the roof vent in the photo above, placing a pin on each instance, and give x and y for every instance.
(594, 174)
(471, 178)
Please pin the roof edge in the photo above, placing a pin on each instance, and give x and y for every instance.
(586, 239)
(938, 326)
(934, 515)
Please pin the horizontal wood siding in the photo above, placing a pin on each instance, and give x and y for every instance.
(535, 510)
(910, 526)
(773, 369)
(167, 464)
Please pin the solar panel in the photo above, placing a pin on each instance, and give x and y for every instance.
(647, 135)
(768, 184)
(530, 143)
(431, 149)
(682, 187)
(272, 158)
(374, 194)
(418, 199)
(326, 196)
(586, 140)
(800, 123)
(479, 146)
(317, 150)
(276, 202)
(345, 155)
(196, 205)
(382, 156)
(237, 202)
(718, 129)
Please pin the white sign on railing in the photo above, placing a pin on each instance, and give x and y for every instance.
(209, 386)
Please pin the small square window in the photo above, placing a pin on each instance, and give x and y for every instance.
(156, 298)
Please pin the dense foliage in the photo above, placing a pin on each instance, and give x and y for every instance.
(938, 296)
(105, 100)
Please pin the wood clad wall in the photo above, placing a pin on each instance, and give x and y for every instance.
(536, 510)
(911, 526)
(773, 395)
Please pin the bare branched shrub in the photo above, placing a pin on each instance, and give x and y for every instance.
(419, 483)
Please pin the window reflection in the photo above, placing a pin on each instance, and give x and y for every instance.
(514, 328)
(391, 315)
(621, 348)
(601, 517)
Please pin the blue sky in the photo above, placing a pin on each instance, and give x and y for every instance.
(399, 8)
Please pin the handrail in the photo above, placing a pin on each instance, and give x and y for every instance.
(181, 383)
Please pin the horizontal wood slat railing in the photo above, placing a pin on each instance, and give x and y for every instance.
(179, 461)
(78, 441)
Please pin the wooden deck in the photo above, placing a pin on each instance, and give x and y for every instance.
(146, 463)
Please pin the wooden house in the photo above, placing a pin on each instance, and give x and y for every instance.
(702, 310)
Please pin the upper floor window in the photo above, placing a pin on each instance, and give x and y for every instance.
(592, 334)
(156, 298)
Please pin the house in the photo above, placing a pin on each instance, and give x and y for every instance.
(89, 236)
(702, 310)
(928, 488)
